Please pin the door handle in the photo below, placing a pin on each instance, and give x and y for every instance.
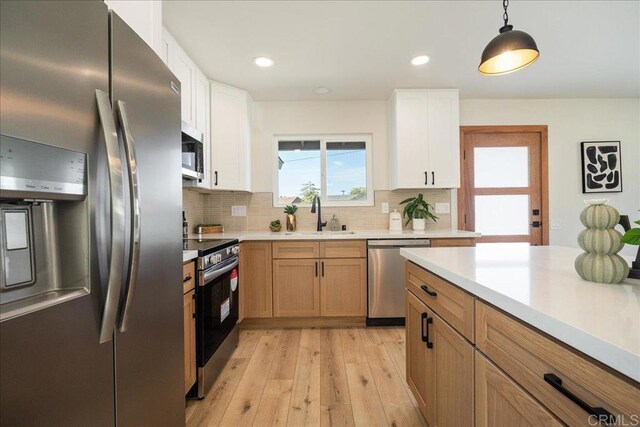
(427, 340)
(433, 178)
(423, 317)
(426, 178)
(116, 198)
(536, 224)
(134, 200)
(603, 415)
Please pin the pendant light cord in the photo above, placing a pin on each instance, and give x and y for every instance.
(505, 15)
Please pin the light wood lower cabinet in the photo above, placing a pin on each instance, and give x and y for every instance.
(343, 287)
(189, 311)
(255, 280)
(502, 402)
(439, 367)
(418, 362)
(296, 287)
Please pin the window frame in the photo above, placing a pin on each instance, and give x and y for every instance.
(324, 139)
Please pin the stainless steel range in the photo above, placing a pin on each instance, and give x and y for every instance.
(217, 307)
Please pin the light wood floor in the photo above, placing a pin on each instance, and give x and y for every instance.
(312, 377)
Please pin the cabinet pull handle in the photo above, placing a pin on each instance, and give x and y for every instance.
(433, 178)
(429, 291)
(216, 178)
(186, 279)
(423, 317)
(603, 415)
(427, 341)
(322, 268)
(426, 178)
(316, 268)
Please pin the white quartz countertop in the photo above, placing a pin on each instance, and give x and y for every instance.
(333, 235)
(330, 235)
(189, 255)
(539, 286)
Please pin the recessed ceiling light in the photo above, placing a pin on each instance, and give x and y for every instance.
(322, 90)
(263, 61)
(420, 60)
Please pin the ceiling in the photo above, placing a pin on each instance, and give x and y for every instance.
(361, 49)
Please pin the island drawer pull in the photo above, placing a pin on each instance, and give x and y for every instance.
(186, 279)
(429, 291)
(603, 415)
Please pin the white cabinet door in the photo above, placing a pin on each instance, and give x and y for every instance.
(230, 138)
(202, 123)
(167, 43)
(443, 139)
(185, 71)
(201, 94)
(424, 139)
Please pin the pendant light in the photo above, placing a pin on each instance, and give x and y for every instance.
(509, 51)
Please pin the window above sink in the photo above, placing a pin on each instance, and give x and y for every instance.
(338, 168)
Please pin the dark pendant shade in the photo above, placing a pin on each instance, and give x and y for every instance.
(509, 51)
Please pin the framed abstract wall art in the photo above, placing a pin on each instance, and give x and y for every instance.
(601, 167)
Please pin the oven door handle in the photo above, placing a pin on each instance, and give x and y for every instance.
(207, 277)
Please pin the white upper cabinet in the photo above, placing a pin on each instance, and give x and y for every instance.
(203, 116)
(424, 141)
(186, 71)
(230, 138)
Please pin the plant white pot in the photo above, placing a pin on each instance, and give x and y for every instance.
(418, 224)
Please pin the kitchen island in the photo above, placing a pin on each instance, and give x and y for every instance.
(517, 314)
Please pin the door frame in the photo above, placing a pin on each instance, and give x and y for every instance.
(544, 167)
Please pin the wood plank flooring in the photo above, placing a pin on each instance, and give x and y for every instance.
(312, 377)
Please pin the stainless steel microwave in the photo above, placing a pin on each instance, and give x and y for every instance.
(192, 153)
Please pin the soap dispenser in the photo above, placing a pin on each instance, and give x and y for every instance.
(395, 221)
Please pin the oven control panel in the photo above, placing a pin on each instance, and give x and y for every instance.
(219, 256)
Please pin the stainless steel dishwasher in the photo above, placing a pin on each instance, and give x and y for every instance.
(386, 281)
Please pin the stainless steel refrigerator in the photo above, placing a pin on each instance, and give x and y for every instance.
(90, 198)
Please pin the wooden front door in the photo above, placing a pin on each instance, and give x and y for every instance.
(504, 189)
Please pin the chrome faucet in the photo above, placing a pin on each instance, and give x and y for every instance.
(313, 210)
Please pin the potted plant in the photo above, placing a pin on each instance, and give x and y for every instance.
(275, 225)
(632, 237)
(417, 211)
(290, 210)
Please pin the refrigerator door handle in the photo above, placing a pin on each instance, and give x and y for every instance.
(132, 273)
(114, 282)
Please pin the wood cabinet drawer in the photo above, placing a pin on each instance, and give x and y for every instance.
(528, 356)
(188, 276)
(451, 303)
(296, 250)
(444, 243)
(343, 249)
(502, 402)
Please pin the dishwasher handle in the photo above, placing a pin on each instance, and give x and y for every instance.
(399, 243)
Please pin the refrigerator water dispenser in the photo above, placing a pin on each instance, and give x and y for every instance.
(44, 226)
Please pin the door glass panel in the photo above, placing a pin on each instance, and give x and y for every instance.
(346, 171)
(298, 171)
(501, 167)
(502, 215)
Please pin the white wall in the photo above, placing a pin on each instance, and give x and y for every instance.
(317, 117)
(145, 17)
(570, 122)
